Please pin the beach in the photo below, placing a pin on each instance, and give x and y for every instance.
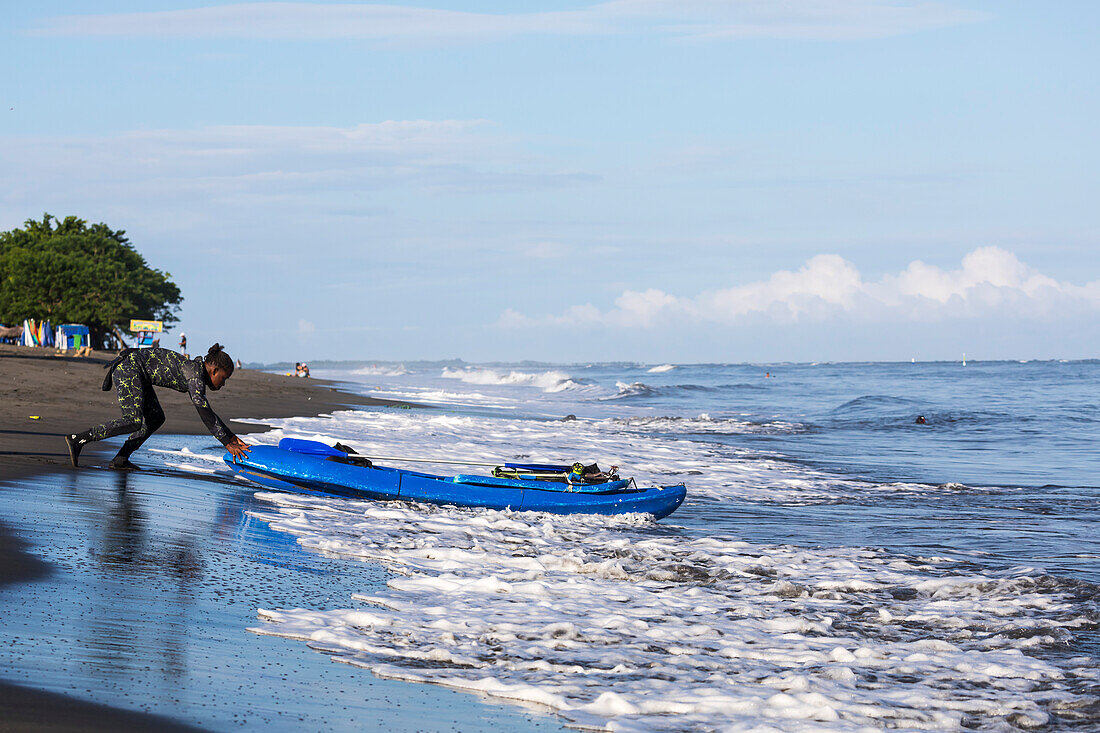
(127, 595)
(836, 565)
(44, 396)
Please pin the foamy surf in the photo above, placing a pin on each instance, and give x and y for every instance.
(549, 381)
(724, 622)
(378, 370)
(620, 624)
(713, 472)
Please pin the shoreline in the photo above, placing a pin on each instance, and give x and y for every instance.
(63, 394)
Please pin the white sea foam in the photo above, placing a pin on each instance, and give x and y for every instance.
(705, 424)
(712, 472)
(551, 381)
(376, 370)
(619, 624)
(188, 454)
(627, 625)
(430, 396)
(662, 369)
(192, 468)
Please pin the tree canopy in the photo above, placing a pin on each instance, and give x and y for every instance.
(69, 272)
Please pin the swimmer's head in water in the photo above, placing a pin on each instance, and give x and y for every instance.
(219, 366)
(921, 420)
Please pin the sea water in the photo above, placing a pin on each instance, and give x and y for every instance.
(837, 565)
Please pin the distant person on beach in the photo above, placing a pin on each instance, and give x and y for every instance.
(297, 368)
(183, 344)
(134, 373)
(305, 370)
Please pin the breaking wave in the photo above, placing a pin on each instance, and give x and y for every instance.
(375, 370)
(707, 425)
(633, 390)
(551, 381)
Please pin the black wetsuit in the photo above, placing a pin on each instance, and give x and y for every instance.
(134, 374)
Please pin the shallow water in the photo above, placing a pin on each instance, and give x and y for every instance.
(152, 581)
(835, 566)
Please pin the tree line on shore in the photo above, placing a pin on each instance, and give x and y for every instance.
(66, 271)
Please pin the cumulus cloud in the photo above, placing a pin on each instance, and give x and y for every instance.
(989, 282)
(699, 19)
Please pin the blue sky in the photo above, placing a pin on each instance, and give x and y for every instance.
(655, 180)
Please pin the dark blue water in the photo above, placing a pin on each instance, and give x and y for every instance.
(1005, 469)
(1016, 444)
(988, 423)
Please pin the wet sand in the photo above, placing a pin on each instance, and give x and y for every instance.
(127, 596)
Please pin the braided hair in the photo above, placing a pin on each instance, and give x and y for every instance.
(217, 356)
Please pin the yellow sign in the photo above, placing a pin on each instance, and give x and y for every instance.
(154, 326)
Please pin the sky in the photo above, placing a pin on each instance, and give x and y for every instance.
(633, 180)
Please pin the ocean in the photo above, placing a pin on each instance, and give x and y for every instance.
(836, 566)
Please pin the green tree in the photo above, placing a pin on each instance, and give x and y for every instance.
(69, 272)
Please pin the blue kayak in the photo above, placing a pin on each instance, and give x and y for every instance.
(328, 471)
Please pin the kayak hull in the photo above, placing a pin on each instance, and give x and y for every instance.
(293, 471)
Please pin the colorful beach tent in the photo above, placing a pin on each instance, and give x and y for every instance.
(72, 336)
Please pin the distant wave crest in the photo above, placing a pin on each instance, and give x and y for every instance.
(551, 381)
(635, 390)
(707, 425)
(872, 402)
(374, 370)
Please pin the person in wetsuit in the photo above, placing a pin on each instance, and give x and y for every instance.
(134, 373)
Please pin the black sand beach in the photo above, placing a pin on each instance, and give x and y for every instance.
(43, 396)
(127, 596)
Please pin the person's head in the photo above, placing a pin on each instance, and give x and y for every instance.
(921, 420)
(219, 367)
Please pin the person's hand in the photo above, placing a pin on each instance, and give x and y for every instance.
(238, 448)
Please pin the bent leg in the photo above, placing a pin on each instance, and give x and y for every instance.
(152, 417)
(129, 386)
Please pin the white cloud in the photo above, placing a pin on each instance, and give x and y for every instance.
(306, 327)
(245, 165)
(989, 282)
(701, 19)
(807, 19)
(548, 250)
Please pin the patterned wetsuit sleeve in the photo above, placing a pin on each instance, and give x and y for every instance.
(197, 389)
